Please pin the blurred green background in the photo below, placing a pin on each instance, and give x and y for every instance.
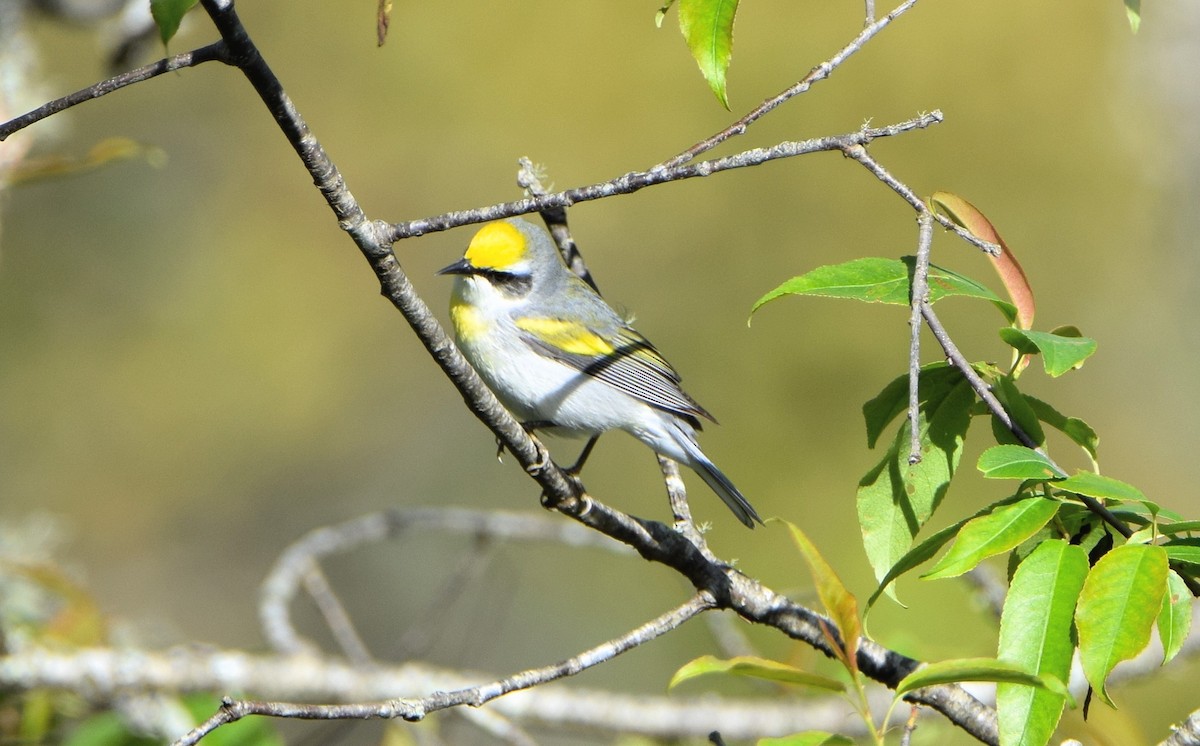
(196, 367)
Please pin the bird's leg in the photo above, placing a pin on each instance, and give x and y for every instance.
(577, 467)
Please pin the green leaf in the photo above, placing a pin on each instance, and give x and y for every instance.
(1178, 527)
(1121, 599)
(1105, 488)
(1035, 633)
(929, 547)
(1017, 462)
(896, 498)
(808, 738)
(1133, 11)
(1075, 429)
(936, 380)
(758, 668)
(707, 25)
(1183, 550)
(999, 531)
(879, 280)
(168, 14)
(838, 601)
(1015, 403)
(976, 669)
(1175, 618)
(1060, 353)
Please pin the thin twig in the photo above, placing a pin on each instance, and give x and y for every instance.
(818, 73)
(870, 13)
(335, 615)
(984, 392)
(529, 178)
(417, 709)
(637, 180)
(859, 153)
(920, 296)
(213, 52)
(677, 496)
(1187, 733)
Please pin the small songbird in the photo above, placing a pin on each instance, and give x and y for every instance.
(558, 356)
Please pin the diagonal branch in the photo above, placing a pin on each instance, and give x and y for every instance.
(818, 73)
(213, 52)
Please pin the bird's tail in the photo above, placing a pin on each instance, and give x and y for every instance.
(720, 484)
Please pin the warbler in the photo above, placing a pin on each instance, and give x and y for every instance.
(558, 356)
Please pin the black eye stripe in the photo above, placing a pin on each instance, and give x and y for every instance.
(510, 283)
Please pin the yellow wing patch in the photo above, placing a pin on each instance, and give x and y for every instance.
(570, 337)
(496, 246)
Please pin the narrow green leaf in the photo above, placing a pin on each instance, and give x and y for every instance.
(838, 602)
(976, 669)
(1059, 353)
(808, 738)
(1016, 462)
(999, 531)
(1075, 429)
(896, 498)
(929, 547)
(1178, 527)
(1183, 550)
(1105, 488)
(1175, 618)
(1121, 599)
(758, 668)
(879, 280)
(707, 25)
(1133, 11)
(168, 14)
(1035, 633)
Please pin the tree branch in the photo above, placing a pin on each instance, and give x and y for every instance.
(818, 73)
(213, 52)
(475, 696)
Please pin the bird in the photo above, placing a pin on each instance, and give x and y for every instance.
(559, 357)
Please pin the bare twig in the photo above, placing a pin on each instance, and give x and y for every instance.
(1186, 733)
(637, 180)
(101, 675)
(860, 154)
(529, 178)
(920, 296)
(215, 51)
(818, 73)
(677, 496)
(336, 618)
(417, 709)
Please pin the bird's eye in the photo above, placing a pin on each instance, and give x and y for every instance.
(510, 283)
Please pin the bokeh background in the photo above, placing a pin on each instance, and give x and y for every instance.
(196, 367)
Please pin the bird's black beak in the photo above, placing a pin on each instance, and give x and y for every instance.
(461, 267)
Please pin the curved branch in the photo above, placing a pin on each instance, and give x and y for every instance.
(290, 569)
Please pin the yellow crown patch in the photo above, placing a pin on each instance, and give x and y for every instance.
(496, 246)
